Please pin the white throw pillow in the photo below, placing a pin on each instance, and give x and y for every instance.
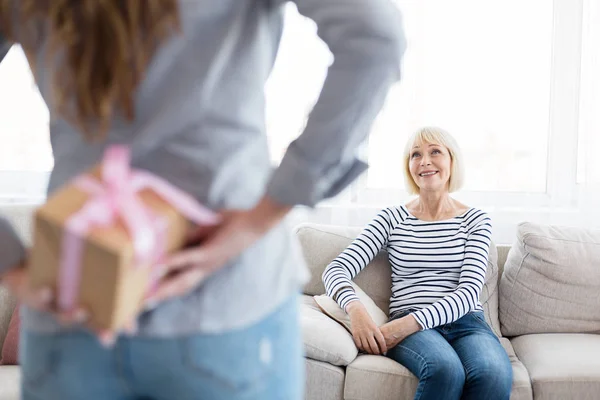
(325, 339)
(332, 308)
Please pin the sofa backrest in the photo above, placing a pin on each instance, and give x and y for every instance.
(322, 243)
(20, 217)
(503, 250)
(552, 281)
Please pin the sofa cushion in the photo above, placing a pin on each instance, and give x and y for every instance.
(325, 339)
(21, 218)
(551, 281)
(10, 348)
(333, 310)
(322, 243)
(324, 381)
(489, 291)
(377, 377)
(561, 366)
(521, 388)
(7, 305)
(10, 382)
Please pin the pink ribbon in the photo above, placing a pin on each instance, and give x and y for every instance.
(113, 197)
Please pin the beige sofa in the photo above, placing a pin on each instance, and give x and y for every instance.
(10, 376)
(546, 365)
(551, 284)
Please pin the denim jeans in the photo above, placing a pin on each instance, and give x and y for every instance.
(460, 360)
(263, 362)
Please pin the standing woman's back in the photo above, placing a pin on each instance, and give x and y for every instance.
(182, 83)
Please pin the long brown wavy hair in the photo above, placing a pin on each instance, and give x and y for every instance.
(105, 45)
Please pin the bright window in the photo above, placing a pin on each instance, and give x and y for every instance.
(23, 118)
(482, 71)
(502, 76)
(589, 138)
(515, 81)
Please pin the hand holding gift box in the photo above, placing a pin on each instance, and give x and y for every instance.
(98, 240)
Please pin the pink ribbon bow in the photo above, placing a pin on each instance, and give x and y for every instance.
(113, 197)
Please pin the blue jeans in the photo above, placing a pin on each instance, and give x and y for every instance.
(263, 361)
(460, 360)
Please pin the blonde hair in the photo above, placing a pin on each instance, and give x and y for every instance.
(107, 46)
(435, 135)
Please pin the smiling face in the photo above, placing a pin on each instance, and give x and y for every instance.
(430, 166)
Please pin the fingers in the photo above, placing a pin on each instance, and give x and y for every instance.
(107, 338)
(207, 257)
(131, 327)
(373, 345)
(357, 342)
(182, 272)
(16, 281)
(198, 233)
(177, 285)
(361, 342)
(363, 345)
(381, 341)
(373, 342)
(43, 300)
(40, 299)
(76, 316)
(181, 260)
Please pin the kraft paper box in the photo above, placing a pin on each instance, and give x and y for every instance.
(111, 287)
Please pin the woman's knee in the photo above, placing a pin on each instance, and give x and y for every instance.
(494, 376)
(447, 371)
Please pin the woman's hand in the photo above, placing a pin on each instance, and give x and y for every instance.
(397, 330)
(237, 231)
(367, 335)
(181, 272)
(16, 280)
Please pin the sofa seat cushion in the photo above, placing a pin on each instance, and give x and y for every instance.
(521, 388)
(323, 381)
(561, 366)
(10, 382)
(324, 338)
(377, 377)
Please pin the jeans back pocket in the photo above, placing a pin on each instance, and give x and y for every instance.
(235, 366)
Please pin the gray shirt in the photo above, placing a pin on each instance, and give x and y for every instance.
(200, 124)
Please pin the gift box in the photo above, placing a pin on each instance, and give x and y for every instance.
(97, 241)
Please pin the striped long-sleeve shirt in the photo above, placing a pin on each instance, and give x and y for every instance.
(438, 268)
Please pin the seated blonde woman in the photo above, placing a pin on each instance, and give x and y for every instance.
(438, 249)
